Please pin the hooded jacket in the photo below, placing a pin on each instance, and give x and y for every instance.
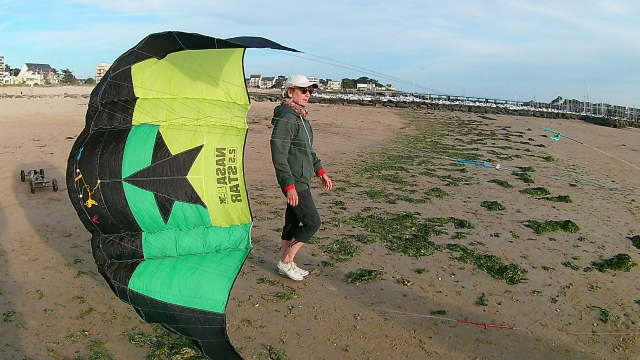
(292, 152)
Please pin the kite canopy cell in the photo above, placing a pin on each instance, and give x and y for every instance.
(157, 177)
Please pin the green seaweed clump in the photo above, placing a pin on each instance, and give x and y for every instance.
(402, 232)
(482, 300)
(525, 177)
(438, 312)
(436, 192)
(461, 223)
(8, 316)
(491, 264)
(549, 226)
(635, 240)
(164, 345)
(620, 262)
(503, 183)
(561, 198)
(393, 178)
(365, 239)
(571, 265)
(363, 276)
(536, 191)
(274, 353)
(269, 281)
(605, 314)
(492, 205)
(341, 250)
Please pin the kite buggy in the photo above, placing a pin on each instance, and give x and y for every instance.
(38, 180)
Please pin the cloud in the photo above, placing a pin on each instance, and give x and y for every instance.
(466, 44)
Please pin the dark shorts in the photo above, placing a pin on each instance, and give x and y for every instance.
(303, 221)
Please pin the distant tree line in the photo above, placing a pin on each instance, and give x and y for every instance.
(353, 83)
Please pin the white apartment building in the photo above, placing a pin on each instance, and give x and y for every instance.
(334, 85)
(101, 70)
(5, 77)
(267, 82)
(254, 80)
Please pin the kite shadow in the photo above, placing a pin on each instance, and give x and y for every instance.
(53, 218)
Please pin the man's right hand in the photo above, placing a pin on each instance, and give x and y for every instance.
(292, 197)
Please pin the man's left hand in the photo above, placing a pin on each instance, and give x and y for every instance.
(326, 182)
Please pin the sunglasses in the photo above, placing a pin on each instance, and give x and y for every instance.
(304, 91)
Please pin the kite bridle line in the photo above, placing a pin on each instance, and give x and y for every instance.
(558, 136)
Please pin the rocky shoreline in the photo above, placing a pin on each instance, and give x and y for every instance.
(478, 109)
(44, 96)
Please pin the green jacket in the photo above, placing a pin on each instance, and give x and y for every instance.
(292, 151)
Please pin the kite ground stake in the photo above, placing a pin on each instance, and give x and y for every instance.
(558, 135)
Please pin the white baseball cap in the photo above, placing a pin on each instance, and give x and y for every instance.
(300, 81)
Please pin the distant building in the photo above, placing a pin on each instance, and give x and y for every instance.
(362, 87)
(254, 80)
(5, 77)
(101, 70)
(334, 85)
(313, 80)
(267, 82)
(40, 74)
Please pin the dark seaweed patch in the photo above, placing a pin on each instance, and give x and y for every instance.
(363, 276)
(503, 183)
(491, 264)
(549, 226)
(620, 262)
(492, 206)
(536, 191)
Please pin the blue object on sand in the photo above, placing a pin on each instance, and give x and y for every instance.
(484, 163)
(558, 135)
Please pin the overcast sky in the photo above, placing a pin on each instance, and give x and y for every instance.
(509, 49)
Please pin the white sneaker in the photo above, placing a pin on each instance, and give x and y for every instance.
(290, 270)
(300, 271)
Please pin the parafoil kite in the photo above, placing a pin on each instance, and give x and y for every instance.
(157, 177)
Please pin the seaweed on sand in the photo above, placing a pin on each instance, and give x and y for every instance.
(560, 198)
(503, 183)
(620, 262)
(525, 177)
(536, 191)
(549, 226)
(341, 250)
(363, 276)
(492, 206)
(491, 264)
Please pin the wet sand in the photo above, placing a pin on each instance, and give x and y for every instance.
(54, 303)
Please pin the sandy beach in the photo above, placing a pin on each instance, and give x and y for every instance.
(56, 306)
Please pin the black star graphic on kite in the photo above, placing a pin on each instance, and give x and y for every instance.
(166, 177)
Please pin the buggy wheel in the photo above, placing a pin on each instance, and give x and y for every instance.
(22, 175)
(54, 184)
(33, 187)
(42, 172)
